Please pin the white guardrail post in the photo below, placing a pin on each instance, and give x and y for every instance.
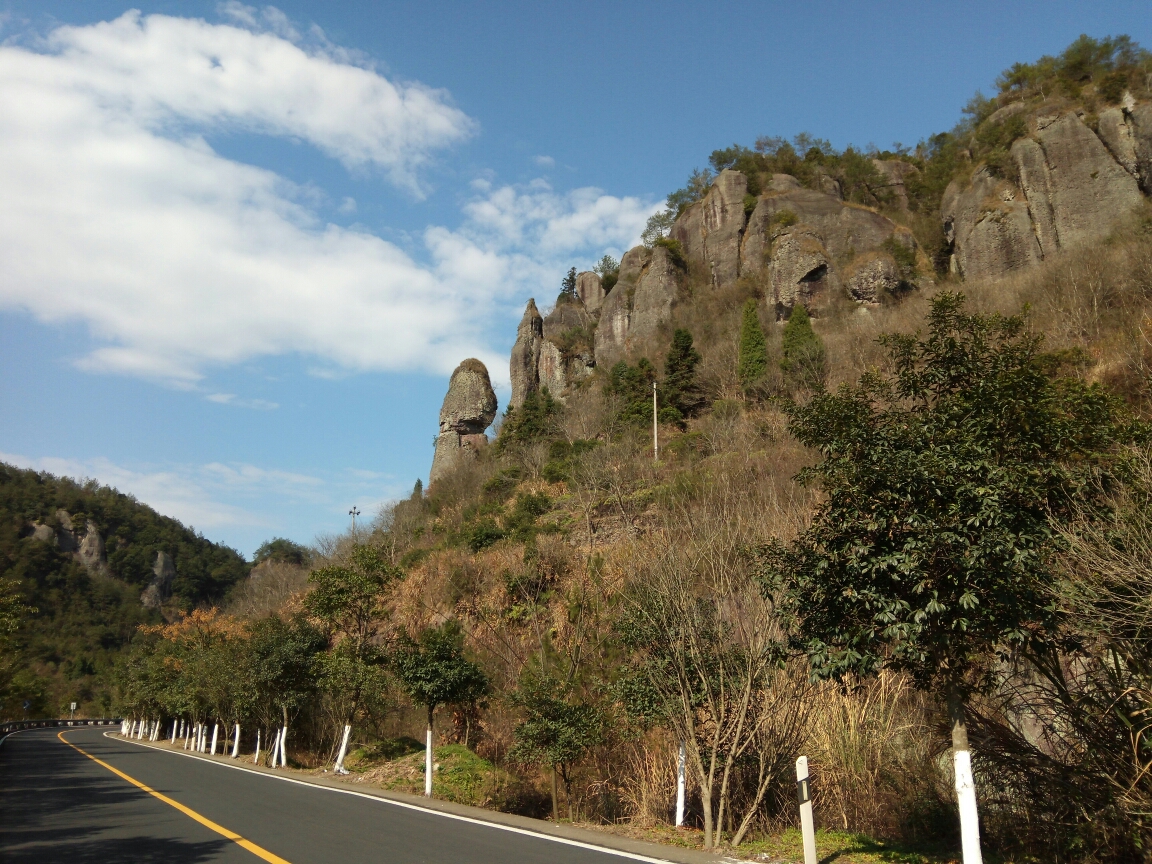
(807, 824)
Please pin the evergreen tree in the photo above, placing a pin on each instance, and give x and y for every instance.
(568, 288)
(681, 393)
(804, 360)
(753, 346)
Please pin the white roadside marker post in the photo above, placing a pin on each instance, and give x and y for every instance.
(807, 825)
(339, 769)
(215, 732)
(236, 742)
(680, 784)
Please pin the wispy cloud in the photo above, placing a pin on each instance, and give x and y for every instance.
(233, 399)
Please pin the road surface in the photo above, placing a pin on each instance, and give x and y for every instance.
(58, 804)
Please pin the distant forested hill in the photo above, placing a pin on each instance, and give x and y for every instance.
(83, 556)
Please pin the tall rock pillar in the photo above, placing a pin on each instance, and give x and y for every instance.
(469, 408)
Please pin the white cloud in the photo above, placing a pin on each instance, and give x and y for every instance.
(118, 214)
(233, 399)
(545, 161)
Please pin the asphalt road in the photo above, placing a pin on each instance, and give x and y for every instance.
(58, 805)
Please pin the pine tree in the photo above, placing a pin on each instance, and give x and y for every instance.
(753, 346)
(681, 394)
(568, 288)
(804, 360)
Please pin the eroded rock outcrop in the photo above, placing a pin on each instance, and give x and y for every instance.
(711, 229)
(1072, 184)
(871, 276)
(895, 172)
(524, 366)
(160, 588)
(552, 352)
(469, 408)
(641, 302)
(590, 289)
(801, 269)
(87, 548)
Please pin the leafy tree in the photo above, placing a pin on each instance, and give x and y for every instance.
(681, 391)
(557, 731)
(931, 551)
(803, 361)
(753, 358)
(657, 227)
(568, 288)
(606, 265)
(283, 551)
(434, 671)
(281, 662)
(350, 601)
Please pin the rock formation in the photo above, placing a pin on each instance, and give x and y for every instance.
(1071, 185)
(870, 276)
(469, 408)
(523, 368)
(551, 352)
(640, 303)
(894, 172)
(88, 549)
(590, 290)
(160, 588)
(710, 230)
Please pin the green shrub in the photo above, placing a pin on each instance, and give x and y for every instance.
(532, 421)
(784, 218)
(675, 251)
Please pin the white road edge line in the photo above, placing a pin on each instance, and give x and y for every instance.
(510, 828)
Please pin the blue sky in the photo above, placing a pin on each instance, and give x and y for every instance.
(242, 247)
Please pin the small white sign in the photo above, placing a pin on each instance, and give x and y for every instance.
(73, 706)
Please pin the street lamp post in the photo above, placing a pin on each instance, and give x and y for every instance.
(354, 512)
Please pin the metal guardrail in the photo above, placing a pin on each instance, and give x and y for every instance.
(20, 725)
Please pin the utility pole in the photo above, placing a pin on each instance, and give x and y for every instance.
(354, 512)
(655, 428)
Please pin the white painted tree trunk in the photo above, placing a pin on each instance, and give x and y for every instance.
(215, 733)
(236, 742)
(428, 765)
(275, 750)
(680, 784)
(284, 748)
(256, 758)
(807, 824)
(969, 817)
(339, 769)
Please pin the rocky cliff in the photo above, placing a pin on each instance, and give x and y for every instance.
(1068, 180)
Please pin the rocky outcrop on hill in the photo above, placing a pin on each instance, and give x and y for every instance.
(523, 368)
(871, 276)
(590, 289)
(1071, 186)
(469, 408)
(551, 352)
(711, 229)
(640, 303)
(160, 588)
(895, 172)
(87, 548)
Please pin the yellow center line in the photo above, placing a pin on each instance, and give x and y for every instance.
(258, 851)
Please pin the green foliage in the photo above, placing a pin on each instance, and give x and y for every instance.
(278, 666)
(532, 421)
(482, 534)
(609, 270)
(675, 250)
(903, 254)
(557, 731)
(1086, 59)
(632, 388)
(657, 227)
(680, 391)
(351, 599)
(561, 458)
(931, 550)
(753, 356)
(434, 671)
(568, 288)
(283, 551)
(803, 362)
(784, 218)
(695, 190)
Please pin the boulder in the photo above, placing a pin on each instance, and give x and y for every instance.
(870, 276)
(590, 290)
(710, 230)
(43, 533)
(988, 226)
(525, 362)
(160, 588)
(469, 408)
(894, 172)
(801, 270)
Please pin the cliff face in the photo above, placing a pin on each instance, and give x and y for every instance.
(1071, 184)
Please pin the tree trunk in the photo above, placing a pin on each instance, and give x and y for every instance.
(428, 756)
(965, 786)
(555, 810)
